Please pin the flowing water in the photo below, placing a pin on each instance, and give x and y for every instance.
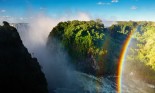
(91, 84)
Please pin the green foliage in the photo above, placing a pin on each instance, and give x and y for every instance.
(146, 45)
(89, 39)
(85, 40)
(141, 56)
(79, 37)
(123, 27)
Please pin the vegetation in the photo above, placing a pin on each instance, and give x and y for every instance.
(82, 39)
(89, 43)
(142, 52)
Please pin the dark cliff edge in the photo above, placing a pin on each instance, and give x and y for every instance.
(19, 72)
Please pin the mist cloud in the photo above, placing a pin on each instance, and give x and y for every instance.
(55, 62)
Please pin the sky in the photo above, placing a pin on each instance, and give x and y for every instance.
(112, 10)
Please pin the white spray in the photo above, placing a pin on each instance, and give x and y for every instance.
(55, 65)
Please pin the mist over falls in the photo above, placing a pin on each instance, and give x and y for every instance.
(54, 64)
(56, 61)
(60, 74)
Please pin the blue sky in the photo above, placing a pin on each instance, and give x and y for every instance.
(104, 9)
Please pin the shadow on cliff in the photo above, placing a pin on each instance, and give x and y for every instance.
(19, 72)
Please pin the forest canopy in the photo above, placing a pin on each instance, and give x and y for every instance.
(97, 49)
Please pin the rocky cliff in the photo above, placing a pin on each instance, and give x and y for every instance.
(19, 72)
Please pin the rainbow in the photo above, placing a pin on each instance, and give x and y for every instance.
(121, 62)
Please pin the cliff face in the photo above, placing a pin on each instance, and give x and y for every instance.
(19, 72)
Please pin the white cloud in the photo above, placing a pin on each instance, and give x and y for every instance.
(114, 1)
(83, 16)
(102, 3)
(133, 7)
(2, 11)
